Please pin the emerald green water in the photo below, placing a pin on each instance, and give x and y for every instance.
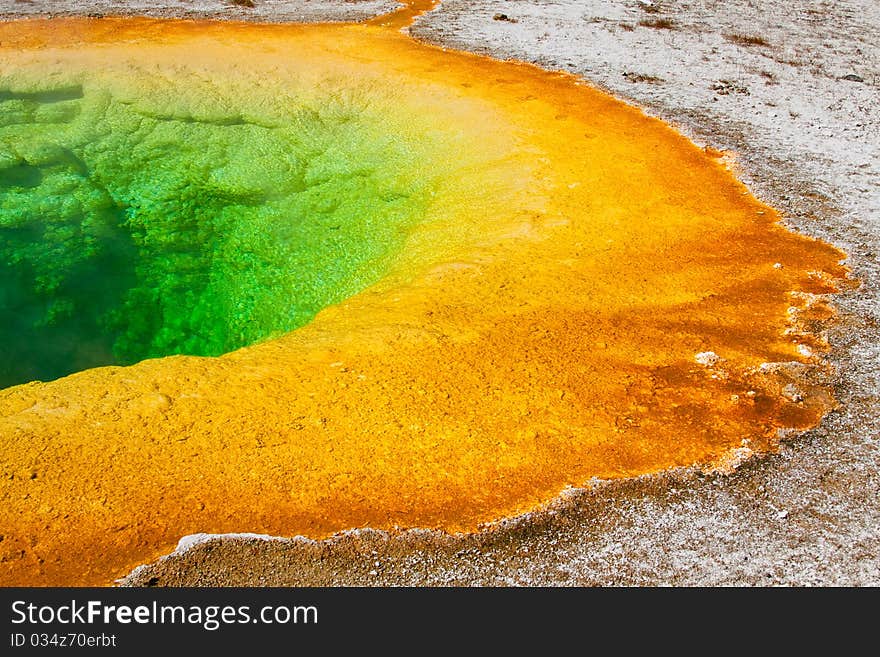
(128, 234)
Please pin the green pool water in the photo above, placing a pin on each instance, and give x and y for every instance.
(129, 232)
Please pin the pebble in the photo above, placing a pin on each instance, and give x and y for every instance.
(707, 358)
(791, 393)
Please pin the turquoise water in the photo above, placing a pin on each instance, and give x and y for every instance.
(128, 234)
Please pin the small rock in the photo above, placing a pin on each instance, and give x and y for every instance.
(641, 77)
(707, 358)
(727, 87)
(504, 17)
(782, 515)
(852, 77)
(791, 393)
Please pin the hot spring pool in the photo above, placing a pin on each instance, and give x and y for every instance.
(293, 280)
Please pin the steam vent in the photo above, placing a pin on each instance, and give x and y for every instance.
(296, 279)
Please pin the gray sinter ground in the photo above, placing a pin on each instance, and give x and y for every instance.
(301, 11)
(792, 90)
